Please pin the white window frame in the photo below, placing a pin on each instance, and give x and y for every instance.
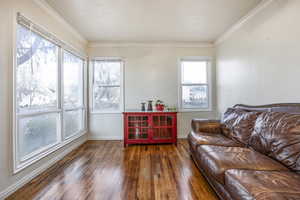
(92, 69)
(18, 163)
(209, 83)
(82, 107)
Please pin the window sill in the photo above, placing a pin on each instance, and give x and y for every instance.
(46, 152)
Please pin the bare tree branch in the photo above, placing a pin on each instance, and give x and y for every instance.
(26, 56)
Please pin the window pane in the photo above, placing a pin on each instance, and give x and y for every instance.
(107, 73)
(37, 132)
(107, 98)
(194, 72)
(73, 80)
(195, 96)
(37, 71)
(73, 122)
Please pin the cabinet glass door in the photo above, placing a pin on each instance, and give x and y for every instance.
(138, 127)
(162, 127)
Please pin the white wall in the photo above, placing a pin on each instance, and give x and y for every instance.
(30, 9)
(150, 72)
(259, 64)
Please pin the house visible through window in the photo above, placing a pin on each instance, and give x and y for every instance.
(107, 85)
(49, 96)
(194, 88)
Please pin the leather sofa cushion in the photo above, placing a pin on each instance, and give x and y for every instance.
(262, 185)
(239, 124)
(278, 136)
(206, 125)
(215, 160)
(202, 138)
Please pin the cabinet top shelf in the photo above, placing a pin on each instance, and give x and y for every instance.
(147, 112)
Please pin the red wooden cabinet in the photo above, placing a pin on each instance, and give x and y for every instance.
(150, 127)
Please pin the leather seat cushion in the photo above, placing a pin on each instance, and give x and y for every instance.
(262, 185)
(215, 160)
(239, 124)
(277, 135)
(202, 138)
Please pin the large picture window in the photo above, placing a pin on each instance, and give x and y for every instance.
(107, 85)
(195, 84)
(49, 96)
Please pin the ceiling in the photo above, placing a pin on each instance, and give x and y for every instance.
(152, 20)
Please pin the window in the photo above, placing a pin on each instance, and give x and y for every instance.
(73, 94)
(194, 85)
(37, 96)
(49, 96)
(107, 86)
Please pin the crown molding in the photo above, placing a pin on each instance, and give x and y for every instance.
(262, 5)
(150, 44)
(44, 5)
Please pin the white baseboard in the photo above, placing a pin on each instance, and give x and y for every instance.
(14, 187)
(182, 136)
(101, 137)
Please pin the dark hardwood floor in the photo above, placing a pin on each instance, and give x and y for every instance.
(105, 170)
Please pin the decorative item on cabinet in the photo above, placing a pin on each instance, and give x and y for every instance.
(150, 108)
(143, 108)
(160, 106)
(172, 108)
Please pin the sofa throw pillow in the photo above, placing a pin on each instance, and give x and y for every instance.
(239, 124)
(278, 135)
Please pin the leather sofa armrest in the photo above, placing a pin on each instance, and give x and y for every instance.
(206, 125)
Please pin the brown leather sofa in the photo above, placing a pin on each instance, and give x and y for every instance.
(254, 153)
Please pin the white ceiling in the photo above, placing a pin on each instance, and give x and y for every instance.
(152, 20)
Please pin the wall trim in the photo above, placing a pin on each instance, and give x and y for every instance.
(151, 44)
(27, 178)
(101, 137)
(51, 11)
(262, 5)
(182, 136)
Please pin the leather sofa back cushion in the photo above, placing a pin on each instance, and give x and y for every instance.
(238, 124)
(278, 136)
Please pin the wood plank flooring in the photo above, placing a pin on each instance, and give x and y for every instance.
(104, 170)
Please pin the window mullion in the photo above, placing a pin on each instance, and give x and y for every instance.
(92, 74)
(83, 100)
(61, 92)
(83, 85)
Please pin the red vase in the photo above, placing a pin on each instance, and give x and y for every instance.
(160, 107)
